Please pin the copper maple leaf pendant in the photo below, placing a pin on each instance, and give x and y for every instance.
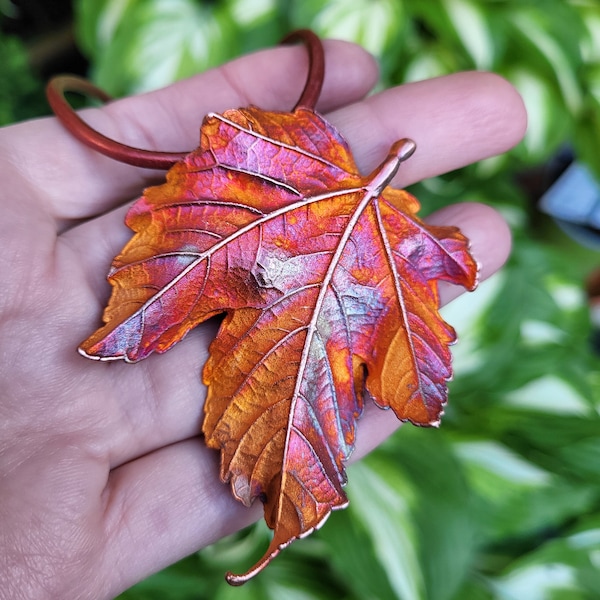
(327, 281)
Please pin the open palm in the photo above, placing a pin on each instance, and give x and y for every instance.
(104, 479)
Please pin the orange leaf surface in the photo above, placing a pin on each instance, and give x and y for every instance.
(328, 283)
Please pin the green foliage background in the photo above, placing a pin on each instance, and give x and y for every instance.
(503, 502)
(20, 92)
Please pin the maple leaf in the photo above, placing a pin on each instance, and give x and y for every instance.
(328, 283)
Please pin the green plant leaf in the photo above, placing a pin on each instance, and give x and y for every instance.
(380, 500)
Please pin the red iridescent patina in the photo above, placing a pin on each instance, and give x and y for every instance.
(328, 283)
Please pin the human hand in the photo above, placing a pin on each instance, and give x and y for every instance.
(104, 477)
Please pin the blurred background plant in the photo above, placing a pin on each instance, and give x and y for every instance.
(503, 502)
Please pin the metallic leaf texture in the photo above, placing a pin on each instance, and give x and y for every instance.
(327, 281)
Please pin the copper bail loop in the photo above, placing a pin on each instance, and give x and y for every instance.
(316, 66)
(150, 159)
